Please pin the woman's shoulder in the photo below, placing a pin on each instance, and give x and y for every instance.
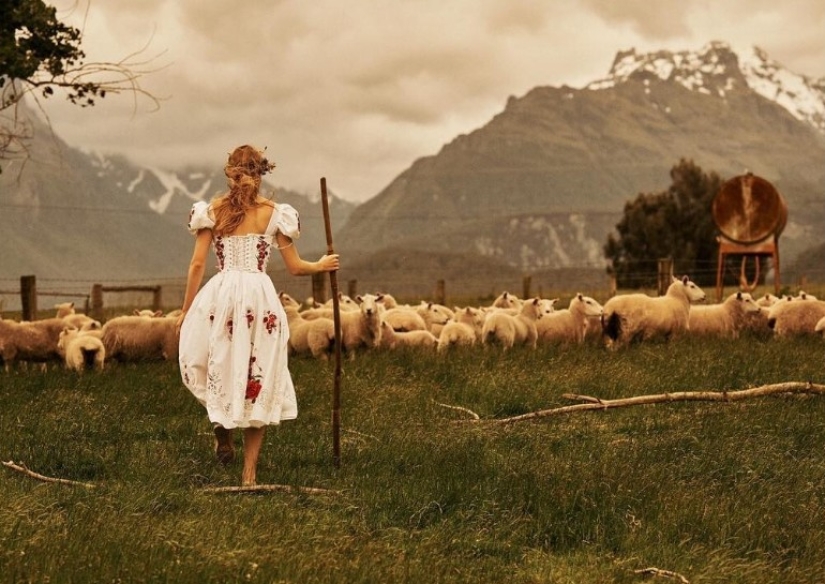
(286, 220)
(200, 217)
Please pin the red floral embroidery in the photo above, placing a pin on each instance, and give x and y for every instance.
(219, 253)
(263, 251)
(229, 326)
(250, 318)
(253, 382)
(270, 321)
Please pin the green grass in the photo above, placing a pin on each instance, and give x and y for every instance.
(718, 492)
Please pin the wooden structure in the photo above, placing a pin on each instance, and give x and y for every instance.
(751, 215)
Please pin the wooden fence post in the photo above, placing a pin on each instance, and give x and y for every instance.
(157, 298)
(319, 288)
(96, 310)
(665, 275)
(526, 283)
(440, 292)
(28, 297)
(352, 288)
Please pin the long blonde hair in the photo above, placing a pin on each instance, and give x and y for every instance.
(243, 170)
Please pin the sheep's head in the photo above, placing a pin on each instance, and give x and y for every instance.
(746, 302)
(591, 306)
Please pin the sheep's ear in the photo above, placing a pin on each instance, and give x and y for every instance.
(359, 298)
(379, 297)
(136, 312)
(739, 295)
(579, 296)
(685, 280)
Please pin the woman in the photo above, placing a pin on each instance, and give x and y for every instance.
(233, 332)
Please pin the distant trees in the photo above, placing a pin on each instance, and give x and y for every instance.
(676, 223)
(39, 54)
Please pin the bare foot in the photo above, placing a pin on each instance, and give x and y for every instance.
(224, 445)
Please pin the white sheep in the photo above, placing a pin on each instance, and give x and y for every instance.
(767, 300)
(81, 351)
(435, 315)
(795, 317)
(29, 340)
(138, 338)
(639, 317)
(506, 300)
(392, 339)
(361, 328)
(464, 330)
(309, 337)
(404, 318)
(64, 309)
(568, 325)
(81, 321)
(510, 330)
(725, 319)
(345, 304)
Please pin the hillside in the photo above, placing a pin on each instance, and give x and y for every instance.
(544, 181)
(72, 215)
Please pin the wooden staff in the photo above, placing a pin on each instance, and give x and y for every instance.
(336, 317)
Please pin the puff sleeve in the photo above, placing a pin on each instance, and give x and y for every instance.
(287, 221)
(199, 218)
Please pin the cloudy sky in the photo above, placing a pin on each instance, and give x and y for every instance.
(356, 90)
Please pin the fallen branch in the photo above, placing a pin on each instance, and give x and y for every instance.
(719, 396)
(474, 415)
(664, 573)
(270, 488)
(30, 473)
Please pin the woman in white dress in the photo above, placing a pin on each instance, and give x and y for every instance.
(233, 331)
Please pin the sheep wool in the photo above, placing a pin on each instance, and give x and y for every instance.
(628, 318)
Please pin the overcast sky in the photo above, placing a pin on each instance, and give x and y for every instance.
(356, 90)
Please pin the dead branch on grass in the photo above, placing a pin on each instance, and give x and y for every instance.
(593, 403)
(271, 488)
(30, 473)
(474, 415)
(663, 573)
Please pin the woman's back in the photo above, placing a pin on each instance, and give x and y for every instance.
(255, 220)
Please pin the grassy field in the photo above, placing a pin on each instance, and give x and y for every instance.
(714, 492)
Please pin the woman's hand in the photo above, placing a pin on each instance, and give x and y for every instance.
(179, 322)
(329, 263)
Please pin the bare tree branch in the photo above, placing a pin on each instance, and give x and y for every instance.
(22, 469)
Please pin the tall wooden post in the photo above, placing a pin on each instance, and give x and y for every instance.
(28, 297)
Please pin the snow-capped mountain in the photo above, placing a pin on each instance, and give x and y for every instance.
(718, 69)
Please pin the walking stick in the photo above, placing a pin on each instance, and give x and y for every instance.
(336, 317)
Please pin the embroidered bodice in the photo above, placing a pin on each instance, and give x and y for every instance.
(245, 253)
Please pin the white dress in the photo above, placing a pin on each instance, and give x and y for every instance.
(233, 341)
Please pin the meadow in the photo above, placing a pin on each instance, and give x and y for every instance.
(671, 492)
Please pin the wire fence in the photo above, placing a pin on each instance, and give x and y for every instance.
(451, 286)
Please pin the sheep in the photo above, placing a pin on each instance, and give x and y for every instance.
(795, 317)
(64, 309)
(388, 300)
(148, 313)
(767, 300)
(81, 321)
(315, 336)
(361, 328)
(29, 340)
(435, 315)
(137, 338)
(568, 325)
(81, 351)
(392, 339)
(506, 300)
(510, 330)
(465, 330)
(404, 319)
(345, 304)
(725, 319)
(638, 317)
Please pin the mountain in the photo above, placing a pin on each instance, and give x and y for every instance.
(543, 183)
(78, 216)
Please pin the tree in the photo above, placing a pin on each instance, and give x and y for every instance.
(40, 55)
(675, 224)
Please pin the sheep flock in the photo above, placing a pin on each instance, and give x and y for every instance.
(377, 322)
